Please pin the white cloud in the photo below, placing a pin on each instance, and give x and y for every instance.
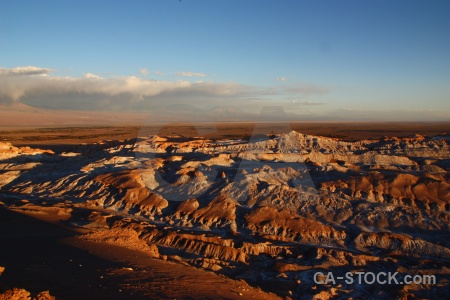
(190, 74)
(143, 71)
(29, 70)
(281, 79)
(307, 89)
(129, 89)
(134, 93)
(158, 73)
(91, 76)
(309, 102)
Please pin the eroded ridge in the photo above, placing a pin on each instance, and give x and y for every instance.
(272, 211)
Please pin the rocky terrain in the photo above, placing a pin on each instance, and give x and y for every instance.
(22, 294)
(271, 210)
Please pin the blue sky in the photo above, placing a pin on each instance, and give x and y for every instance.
(326, 57)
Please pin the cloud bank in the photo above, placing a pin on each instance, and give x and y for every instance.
(29, 70)
(36, 87)
(309, 102)
(180, 99)
(190, 74)
(28, 86)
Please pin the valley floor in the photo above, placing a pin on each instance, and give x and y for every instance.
(38, 253)
(244, 211)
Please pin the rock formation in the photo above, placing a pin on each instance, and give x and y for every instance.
(271, 211)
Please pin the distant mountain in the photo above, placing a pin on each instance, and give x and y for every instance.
(17, 106)
(19, 114)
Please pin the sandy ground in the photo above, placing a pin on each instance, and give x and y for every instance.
(60, 137)
(38, 255)
(36, 258)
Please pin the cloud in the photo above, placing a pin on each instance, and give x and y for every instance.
(190, 74)
(95, 92)
(307, 89)
(310, 103)
(143, 71)
(29, 70)
(91, 76)
(281, 79)
(158, 73)
(136, 93)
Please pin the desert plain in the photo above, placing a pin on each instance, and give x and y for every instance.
(224, 211)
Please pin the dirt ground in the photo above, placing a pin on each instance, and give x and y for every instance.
(60, 136)
(41, 256)
(38, 255)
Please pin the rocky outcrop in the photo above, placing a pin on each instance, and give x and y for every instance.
(429, 192)
(396, 243)
(23, 154)
(133, 193)
(272, 210)
(122, 237)
(221, 211)
(282, 224)
(22, 294)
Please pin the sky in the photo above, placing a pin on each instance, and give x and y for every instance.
(318, 60)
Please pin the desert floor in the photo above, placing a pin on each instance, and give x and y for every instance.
(43, 253)
(27, 136)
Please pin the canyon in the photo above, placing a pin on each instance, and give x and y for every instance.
(269, 210)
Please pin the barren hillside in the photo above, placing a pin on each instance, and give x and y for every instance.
(271, 210)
